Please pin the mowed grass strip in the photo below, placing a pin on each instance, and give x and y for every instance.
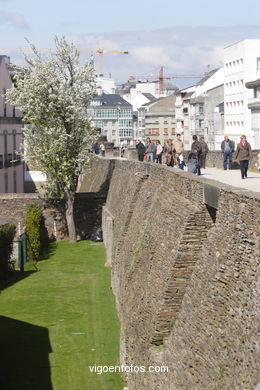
(58, 321)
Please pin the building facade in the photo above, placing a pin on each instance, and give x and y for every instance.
(113, 116)
(158, 119)
(241, 65)
(254, 106)
(11, 136)
(199, 110)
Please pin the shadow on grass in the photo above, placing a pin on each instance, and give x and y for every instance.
(48, 250)
(16, 276)
(13, 278)
(24, 356)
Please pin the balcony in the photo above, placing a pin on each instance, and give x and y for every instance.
(254, 103)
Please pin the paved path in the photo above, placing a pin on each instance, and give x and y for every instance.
(233, 178)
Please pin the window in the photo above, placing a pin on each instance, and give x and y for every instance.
(6, 182)
(153, 131)
(5, 149)
(113, 132)
(9, 159)
(96, 103)
(4, 102)
(14, 139)
(125, 123)
(123, 113)
(258, 63)
(125, 132)
(98, 124)
(14, 181)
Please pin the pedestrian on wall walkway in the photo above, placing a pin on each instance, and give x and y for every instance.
(159, 151)
(204, 152)
(150, 149)
(140, 147)
(194, 158)
(227, 147)
(102, 149)
(177, 147)
(243, 155)
(169, 153)
(96, 148)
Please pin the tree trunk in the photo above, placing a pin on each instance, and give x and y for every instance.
(70, 216)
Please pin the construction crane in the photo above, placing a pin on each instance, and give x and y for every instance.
(100, 52)
(161, 78)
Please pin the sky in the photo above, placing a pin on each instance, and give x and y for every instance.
(185, 37)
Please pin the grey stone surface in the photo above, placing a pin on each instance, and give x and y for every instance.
(186, 286)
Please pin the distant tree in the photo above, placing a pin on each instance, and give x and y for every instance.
(53, 91)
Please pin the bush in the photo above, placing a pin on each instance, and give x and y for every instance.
(7, 233)
(33, 223)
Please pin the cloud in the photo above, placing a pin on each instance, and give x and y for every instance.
(94, 42)
(181, 50)
(14, 18)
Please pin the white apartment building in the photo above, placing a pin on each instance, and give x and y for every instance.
(241, 65)
(113, 117)
(105, 85)
(197, 109)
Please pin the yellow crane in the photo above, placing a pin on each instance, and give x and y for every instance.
(101, 53)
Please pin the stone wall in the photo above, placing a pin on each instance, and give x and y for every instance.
(13, 206)
(87, 213)
(184, 276)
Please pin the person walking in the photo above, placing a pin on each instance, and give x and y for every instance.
(102, 149)
(204, 152)
(227, 147)
(177, 147)
(140, 149)
(122, 149)
(149, 149)
(195, 153)
(243, 155)
(96, 148)
(159, 150)
(169, 153)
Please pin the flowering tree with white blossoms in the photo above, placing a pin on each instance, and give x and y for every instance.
(52, 91)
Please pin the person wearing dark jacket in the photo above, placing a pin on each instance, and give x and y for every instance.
(195, 153)
(140, 149)
(204, 152)
(96, 148)
(243, 155)
(227, 147)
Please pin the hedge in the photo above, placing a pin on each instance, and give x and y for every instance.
(7, 233)
(33, 222)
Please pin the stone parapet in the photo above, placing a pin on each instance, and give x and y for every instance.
(185, 277)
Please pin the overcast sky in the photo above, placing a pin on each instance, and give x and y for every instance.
(183, 36)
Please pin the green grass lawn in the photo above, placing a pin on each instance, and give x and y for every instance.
(58, 321)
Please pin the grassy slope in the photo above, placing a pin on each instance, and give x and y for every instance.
(70, 294)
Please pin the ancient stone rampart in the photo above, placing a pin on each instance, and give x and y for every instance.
(185, 277)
